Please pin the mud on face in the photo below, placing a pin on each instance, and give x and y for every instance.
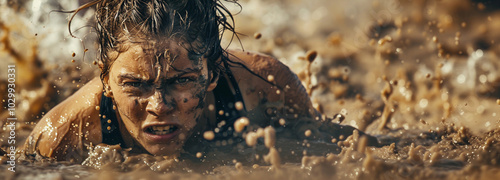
(159, 98)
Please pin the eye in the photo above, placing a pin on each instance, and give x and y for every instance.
(183, 80)
(133, 84)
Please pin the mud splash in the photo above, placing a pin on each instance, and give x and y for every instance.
(420, 75)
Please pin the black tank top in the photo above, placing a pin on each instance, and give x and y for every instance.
(226, 94)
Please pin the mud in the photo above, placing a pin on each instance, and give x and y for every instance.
(420, 75)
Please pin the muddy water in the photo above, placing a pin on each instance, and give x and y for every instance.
(422, 76)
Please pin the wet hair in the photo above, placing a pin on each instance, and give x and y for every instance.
(200, 23)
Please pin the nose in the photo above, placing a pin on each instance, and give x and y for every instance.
(159, 105)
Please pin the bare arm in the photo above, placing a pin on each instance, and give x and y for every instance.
(65, 131)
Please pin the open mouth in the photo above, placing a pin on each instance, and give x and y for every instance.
(161, 130)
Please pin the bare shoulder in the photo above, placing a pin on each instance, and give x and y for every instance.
(286, 85)
(259, 63)
(66, 130)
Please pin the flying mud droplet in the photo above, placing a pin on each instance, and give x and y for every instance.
(199, 155)
(273, 157)
(384, 40)
(211, 107)
(282, 121)
(308, 133)
(269, 137)
(251, 139)
(260, 132)
(73, 55)
(97, 108)
(238, 166)
(257, 35)
(341, 137)
(241, 123)
(209, 135)
(270, 78)
(238, 105)
(311, 55)
(340, 117)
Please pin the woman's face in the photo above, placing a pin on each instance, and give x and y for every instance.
(159, 91)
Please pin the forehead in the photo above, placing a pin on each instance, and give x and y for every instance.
(148, 57)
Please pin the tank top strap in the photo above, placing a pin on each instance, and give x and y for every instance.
(227, 94)
(109, 122)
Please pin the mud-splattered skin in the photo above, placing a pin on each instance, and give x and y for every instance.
(156, 90)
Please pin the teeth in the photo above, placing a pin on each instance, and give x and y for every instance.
(162, 130)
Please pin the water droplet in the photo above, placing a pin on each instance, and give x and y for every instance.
(483, 79)
(461, 79)
(423, 103)
(487, 124)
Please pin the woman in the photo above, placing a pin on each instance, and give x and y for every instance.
(165, 80)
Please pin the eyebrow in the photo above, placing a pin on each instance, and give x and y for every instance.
(129, 76)
(181, 72)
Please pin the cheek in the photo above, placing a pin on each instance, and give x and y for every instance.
(130, 109)
(199, 92)
(193, 99)
(191, 106)
(189, 101)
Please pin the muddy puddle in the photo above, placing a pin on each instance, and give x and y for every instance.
(420, 75)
